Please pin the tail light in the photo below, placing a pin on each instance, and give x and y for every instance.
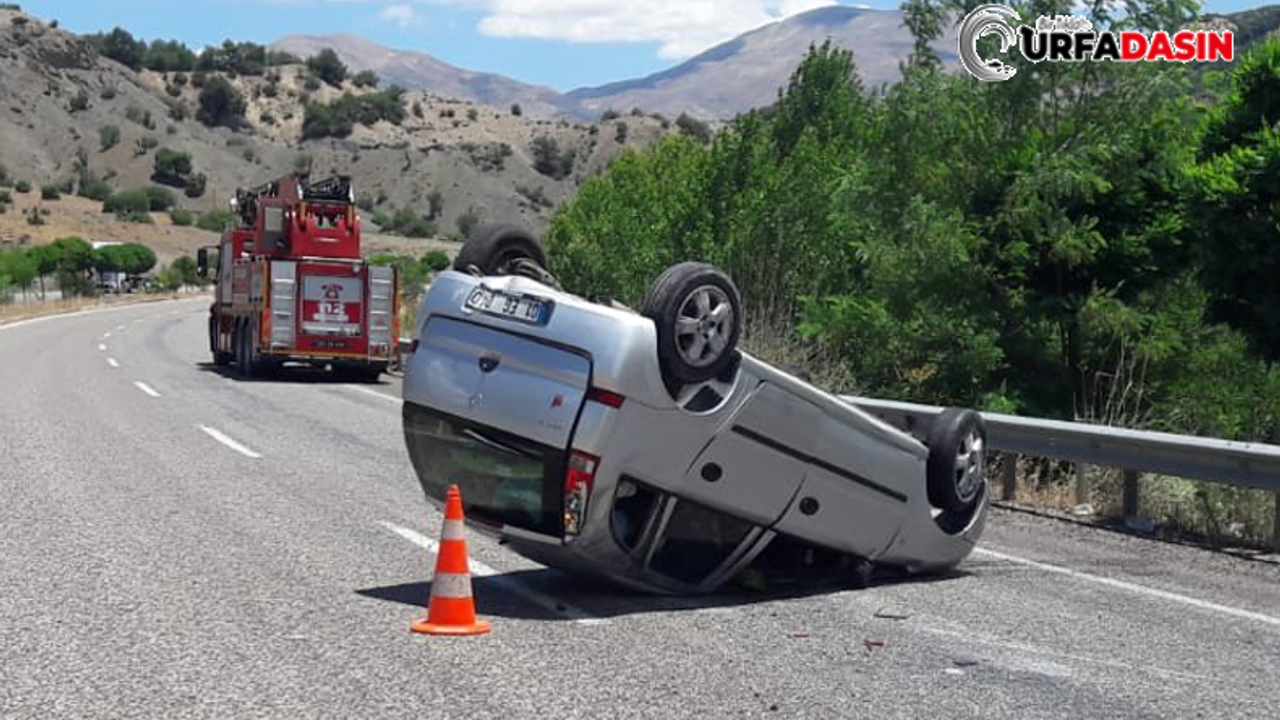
(579, 476)
(604, 397)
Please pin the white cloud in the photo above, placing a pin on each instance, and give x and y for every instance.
(401, 15)
(681, 28)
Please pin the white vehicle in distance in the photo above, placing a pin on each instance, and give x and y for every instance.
(648, 449)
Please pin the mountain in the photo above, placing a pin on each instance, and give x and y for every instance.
(419, 71)
(730, 78)
(747, 71)
(74, 118)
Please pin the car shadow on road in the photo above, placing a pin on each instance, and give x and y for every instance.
(548, 594)
(293, 375)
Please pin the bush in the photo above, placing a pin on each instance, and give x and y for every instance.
(365, 79)
(172, 167)
(94, 189)
(549, 160)
(215, 220)
(108, 93)
(435, 204)
(145, 144)
(473, 114)
(196, 185)
(694, 128)
(142, 117)
(159, 199)
(5, 197)
(328, 67)
(608, 115)
(79, 102)
(620, 133)
(181, 217)
(221, 104)
(338, 118)
(516, 109)
(108, 137)
(34, 217)
(128, 201)
(23, 187)
(436, 260)
(50, 192)
(407, 223)
(467, 222)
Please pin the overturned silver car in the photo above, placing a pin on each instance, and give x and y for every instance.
(647, 448)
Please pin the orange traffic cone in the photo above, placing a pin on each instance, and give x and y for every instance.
(452, 609)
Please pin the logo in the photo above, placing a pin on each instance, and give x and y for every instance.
(1072, 38)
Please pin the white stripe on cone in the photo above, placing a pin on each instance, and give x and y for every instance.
(453, 530)
(451, 585)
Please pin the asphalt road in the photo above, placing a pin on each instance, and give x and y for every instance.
(178, 543)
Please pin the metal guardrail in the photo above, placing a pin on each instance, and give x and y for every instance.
(1243, 464)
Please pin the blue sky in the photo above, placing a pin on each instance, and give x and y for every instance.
(560, 43)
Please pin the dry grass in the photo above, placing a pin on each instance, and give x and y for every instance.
(83, 218)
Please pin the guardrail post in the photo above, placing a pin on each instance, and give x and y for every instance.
(1130, 493)
(1009, 477)
(1275, 527)
(1082, 483)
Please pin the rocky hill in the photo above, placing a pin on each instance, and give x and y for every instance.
(68, 109)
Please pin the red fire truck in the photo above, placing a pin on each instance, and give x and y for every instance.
(291, 285)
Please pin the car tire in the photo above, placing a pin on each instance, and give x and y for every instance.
(956, 469)
(220, 359)
(495, 250)
(698, 314)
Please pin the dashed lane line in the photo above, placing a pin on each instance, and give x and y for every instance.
(218, 435)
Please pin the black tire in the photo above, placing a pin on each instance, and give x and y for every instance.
(363, 373)
(683, 347)
(221, 359)
(254, 365)
(954, 483)
(493, 249)
(237, 346)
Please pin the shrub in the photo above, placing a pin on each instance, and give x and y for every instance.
(417, 109)
(311, 83)
(473, 115)
(127, 201)
(608, 115)
(436, 260)
(108, 137)
(221, 104)
(516, 109)
(142, 117)
(196, 185)
(79, 102)
(94, 189)
(159, 199)
(215, 220)
(694, 128)
(365, 79)
(172, 167)
(549, 160)
(23, 187)
(338, 118)
(50, 192)
(107, 93)
(5, 197)
(328, 67)
(34, 217)
(435, 204)
(181, 217)
(467, 222)
(620, 133)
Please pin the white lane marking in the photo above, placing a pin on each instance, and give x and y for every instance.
(106, 335)
(146, 388)
(479, 569)
(375, 393)
(119, 327)
(1133, 587)
(102, 347)
(217, 435)
(112, 362)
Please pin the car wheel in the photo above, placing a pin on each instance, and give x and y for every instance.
(221, 359)
(698, 314)
(499, 250)
(237, 347)
(957, 465)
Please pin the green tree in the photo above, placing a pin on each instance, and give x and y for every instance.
(328, 67)
(172, 167)
(221, 104)
(1233, 195)
(365, 79)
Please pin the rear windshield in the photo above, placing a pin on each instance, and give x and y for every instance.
(504, 479)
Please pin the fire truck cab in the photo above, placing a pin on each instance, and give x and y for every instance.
(291, 286)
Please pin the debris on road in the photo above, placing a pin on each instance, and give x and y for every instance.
(872, 645)
(892, 612)
(799, 634)
(963, 662)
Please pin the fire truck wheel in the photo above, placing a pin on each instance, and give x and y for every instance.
(498, 250)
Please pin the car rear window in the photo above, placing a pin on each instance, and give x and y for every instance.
(697, 540)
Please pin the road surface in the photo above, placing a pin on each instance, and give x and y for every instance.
(177, 543)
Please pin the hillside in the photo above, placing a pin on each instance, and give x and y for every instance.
(62, 96)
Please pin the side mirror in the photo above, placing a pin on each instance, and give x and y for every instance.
(202, 262)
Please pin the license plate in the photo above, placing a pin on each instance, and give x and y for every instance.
(524, 308)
